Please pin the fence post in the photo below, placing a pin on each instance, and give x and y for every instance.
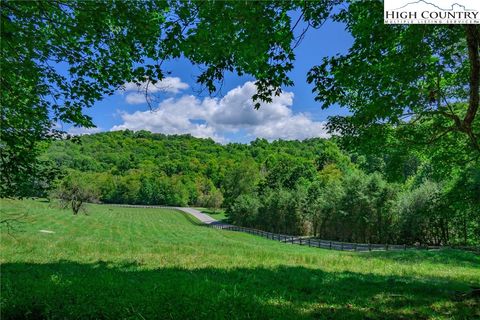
(355, 247)
(341, 245)
(369, 247)
(309, 242)
(300, 241)
(386, 247)
(405, 247)
(330, 245)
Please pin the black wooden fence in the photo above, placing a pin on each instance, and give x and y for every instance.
(318, 243)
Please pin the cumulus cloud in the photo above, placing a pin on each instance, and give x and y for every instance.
(79, 131)
(136, 93)
(173, 116)
(213, 117)
(135, 98)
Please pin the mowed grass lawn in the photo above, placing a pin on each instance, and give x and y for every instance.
(127, 263)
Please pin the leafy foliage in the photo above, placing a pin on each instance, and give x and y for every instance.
(402, 75)
(311, 187)
(407, 87)
(59, 58)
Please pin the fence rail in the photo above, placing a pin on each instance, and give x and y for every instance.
(319, 243)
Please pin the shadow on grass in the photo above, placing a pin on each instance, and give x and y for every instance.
(103, 290)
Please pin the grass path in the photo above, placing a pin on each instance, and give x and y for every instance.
(133, 263)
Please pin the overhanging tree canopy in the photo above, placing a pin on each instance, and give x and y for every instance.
(402, 74)
(59, 57)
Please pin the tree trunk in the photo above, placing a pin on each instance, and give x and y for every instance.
(473, 43)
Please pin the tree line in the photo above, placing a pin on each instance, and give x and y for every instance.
(314, 187)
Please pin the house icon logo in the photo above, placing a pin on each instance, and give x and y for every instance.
(432, 11)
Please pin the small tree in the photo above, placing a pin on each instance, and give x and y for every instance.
(214, 200)
(73, 192)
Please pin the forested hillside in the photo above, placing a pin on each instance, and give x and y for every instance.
(296, 187)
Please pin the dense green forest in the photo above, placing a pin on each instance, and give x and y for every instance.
(313, 187)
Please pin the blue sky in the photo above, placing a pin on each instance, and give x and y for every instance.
(179, 107)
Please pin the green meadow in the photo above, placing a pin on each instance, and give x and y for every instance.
(129, 263)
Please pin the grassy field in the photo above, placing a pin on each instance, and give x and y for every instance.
(118, 263)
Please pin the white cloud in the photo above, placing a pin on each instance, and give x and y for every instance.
(297, 126)
(136, 93)
(135, 98)
(213, 118)
(79, 131)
